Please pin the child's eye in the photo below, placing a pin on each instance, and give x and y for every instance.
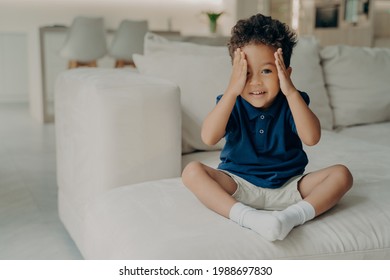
(266, 71)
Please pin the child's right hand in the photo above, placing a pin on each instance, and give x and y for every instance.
(239, 73)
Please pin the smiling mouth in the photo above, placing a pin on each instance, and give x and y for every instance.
(258, 92)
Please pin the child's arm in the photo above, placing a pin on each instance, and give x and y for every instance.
(214, 126)
(306, 122)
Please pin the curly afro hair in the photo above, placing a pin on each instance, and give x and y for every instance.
(260, 29)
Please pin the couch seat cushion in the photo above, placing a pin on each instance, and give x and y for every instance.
(164, 220)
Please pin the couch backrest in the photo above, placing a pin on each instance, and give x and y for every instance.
(203, 72)
(358, 83)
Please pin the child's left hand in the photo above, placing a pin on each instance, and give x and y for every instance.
(286, 85)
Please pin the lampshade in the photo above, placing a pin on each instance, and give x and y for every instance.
(85, 40)
(128, 39)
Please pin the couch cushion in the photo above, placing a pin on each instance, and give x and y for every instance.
(200, 78)
(357, 79)
(155, 43)
(377, 133)
(307, 76)
(199, 72)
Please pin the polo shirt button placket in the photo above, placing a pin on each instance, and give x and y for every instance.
(261, 131)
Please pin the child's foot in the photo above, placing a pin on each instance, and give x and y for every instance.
(292, 216)
(274, 225)
(262, 222)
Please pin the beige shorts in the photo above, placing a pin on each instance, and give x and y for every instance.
(264, 198)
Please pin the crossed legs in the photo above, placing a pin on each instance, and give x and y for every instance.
(320, 190)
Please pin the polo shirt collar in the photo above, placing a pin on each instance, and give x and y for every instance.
(272, 111)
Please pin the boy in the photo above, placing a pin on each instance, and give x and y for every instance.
(264, 120)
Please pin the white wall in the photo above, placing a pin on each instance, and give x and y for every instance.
(185, 15)
(26, 16)
(13, 67)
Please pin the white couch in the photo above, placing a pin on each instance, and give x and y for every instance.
(123, 137)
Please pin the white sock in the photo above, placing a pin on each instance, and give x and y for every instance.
(272, 225)
(294, 215)
(262, 222)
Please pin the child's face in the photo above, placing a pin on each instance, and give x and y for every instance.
(262, 84)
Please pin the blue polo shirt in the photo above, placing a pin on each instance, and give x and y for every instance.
(262, 145)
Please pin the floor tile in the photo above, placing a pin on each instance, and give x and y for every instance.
(29, 224)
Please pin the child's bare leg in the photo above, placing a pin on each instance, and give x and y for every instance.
(325, 187)
(321, 190)
(212, 187)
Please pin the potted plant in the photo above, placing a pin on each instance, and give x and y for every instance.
(213, 18)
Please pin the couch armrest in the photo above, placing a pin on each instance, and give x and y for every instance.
(114, 128)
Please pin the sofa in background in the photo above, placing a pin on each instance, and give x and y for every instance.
(123, 137)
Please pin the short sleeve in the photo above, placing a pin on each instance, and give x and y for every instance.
(218, 98)
(306, 98)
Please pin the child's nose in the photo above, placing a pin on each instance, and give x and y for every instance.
(255, 80)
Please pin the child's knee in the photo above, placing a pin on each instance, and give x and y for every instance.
(345, 176)
(191, 171)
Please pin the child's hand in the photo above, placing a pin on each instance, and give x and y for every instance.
(286, 85)
(239, 72)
